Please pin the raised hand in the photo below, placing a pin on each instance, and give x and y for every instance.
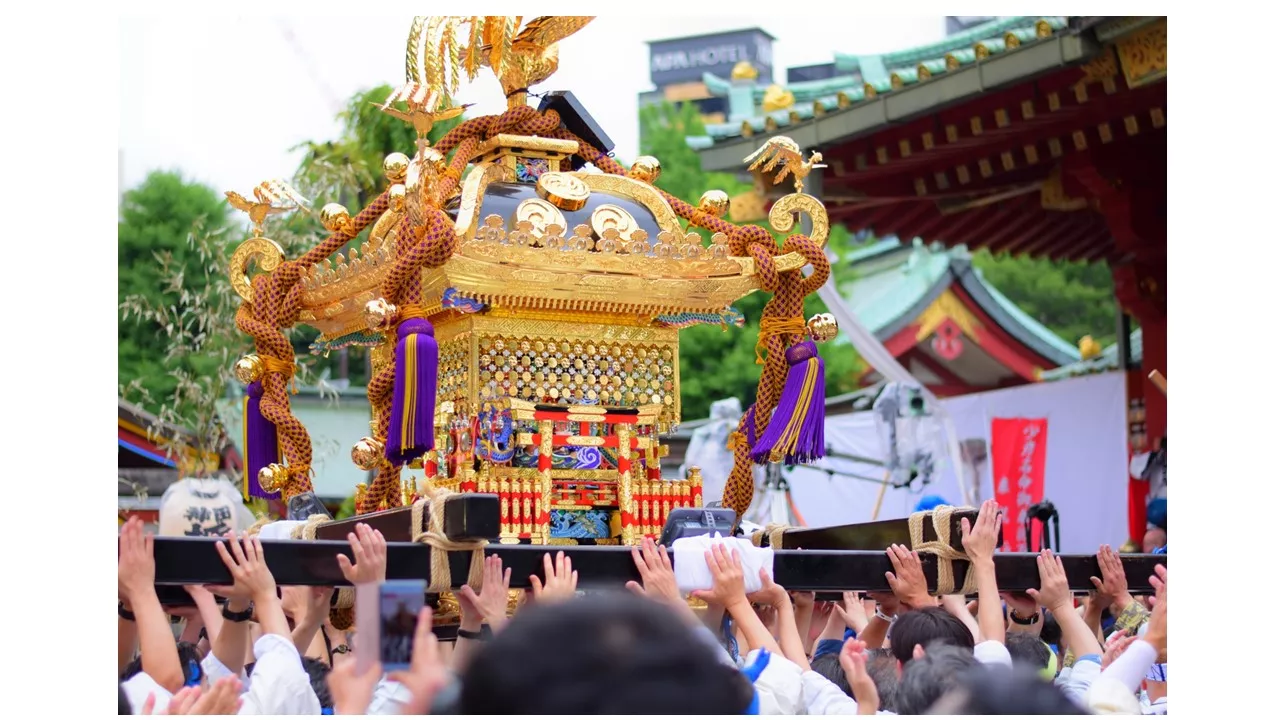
(351, 692)
(980, 540)
(1054, 592)
(561, 582)
(491, 602)
(1119, 641)
(770, 593)
(1113, 587)
(1158, 623)
(851, 610)
(1024, 605)
(657, 577)
(370, 550)
(249, 571)
(426, 674)
(853, 660)
(907, 580)
(137, 569)
(727, 589)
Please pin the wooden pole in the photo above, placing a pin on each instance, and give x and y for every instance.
(884, 487)
(1159, 380)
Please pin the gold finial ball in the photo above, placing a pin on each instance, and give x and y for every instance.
(248, 369)
(714, 202)
(367, 454)
(379, 314)
(396, 195)
(273, 477)
(823, 327)
(396, 165)
(646, 169)
(744, 70)
(334, 217)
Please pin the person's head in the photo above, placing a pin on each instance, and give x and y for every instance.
(1028, 649)
(189, 656)
(828, 666)
(1154, 538)
(925, 626)
(614, 654)
(319, 674)
(998, 690)
(882, 666)
(929, 677)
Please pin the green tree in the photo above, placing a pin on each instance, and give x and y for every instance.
(157, 252)
(1071, 299)
(716, 363)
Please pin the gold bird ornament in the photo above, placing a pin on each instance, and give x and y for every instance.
(779, 158)
(270, 198)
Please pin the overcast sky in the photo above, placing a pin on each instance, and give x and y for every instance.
(224, 98)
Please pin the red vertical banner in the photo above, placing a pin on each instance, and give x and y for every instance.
(1017, 466)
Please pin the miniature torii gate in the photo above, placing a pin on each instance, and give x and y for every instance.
(849, 557)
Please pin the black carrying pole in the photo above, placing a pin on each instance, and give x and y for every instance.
(195, 561)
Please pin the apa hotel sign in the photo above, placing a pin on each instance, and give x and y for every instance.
(685, 59)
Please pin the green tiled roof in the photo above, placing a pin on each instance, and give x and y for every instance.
(896, 282)
(865, 77)
(1105, 361)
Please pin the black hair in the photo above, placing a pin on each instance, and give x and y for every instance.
(1050, 630)
(319, 674)
(998, 690)
(925, 680)
(189, 657)
(882, 666)
(925, 626)
(614, 654)
(828, 666)
(125, 707)
(1027, 648)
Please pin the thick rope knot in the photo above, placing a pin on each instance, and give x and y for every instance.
(411, 312)
(772, 531)
(735, 438)
(307, 530)
(257, 526)
(284, 368)
(772, 326)
(941, 518)
(441, 545)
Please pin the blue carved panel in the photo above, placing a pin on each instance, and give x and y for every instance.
(580, 524)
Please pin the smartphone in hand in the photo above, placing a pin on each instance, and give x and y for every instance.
(386, 619)
(400, 602)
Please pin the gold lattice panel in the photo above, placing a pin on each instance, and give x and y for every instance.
(562, 362)
(454, 368)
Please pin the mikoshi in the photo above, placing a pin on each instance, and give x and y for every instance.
(522, 295)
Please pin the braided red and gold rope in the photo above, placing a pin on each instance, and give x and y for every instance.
(432, 243)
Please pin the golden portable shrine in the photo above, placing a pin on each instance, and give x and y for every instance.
(522, 294)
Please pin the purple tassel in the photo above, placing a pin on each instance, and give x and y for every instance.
(261, 444)
(413, 403)
(796, 429)
(749, 426)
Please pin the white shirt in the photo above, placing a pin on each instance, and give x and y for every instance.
(1075, 681)
(779, 686)
(280, 685)
(992, 652)
(139, 687)
(388, 698)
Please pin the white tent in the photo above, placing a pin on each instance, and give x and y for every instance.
(1086, 464)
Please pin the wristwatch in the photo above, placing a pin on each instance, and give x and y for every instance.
(125, 614)
(242, 616)
(880, 614)
(1019, 620)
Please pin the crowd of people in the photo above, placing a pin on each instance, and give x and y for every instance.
(652, 650)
